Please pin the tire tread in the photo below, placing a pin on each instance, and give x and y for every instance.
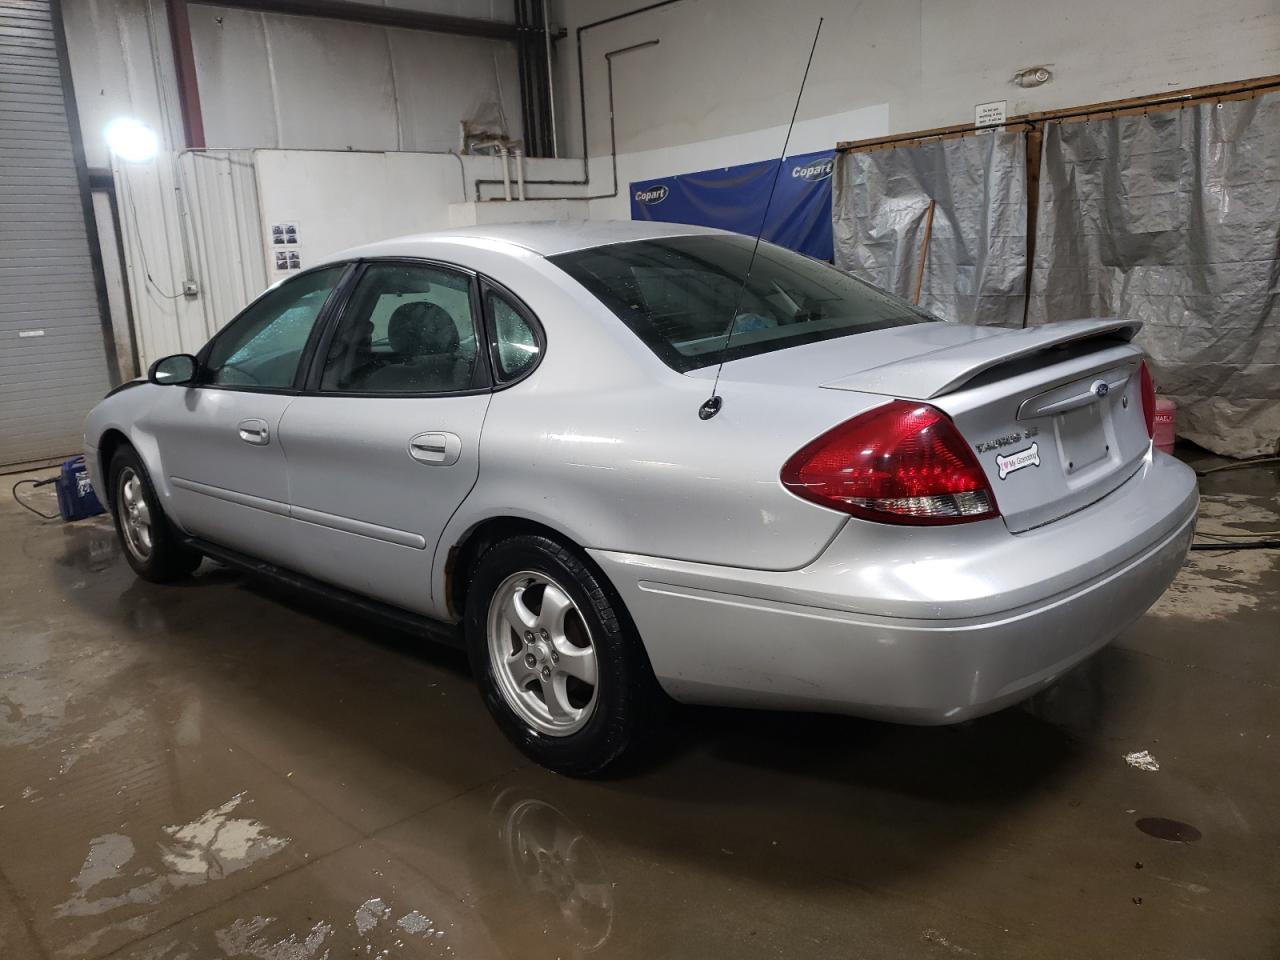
(633, 710)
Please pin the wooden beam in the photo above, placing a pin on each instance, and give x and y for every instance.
(1237, 90)
(184, 60)
(924, 251)
(381, 16)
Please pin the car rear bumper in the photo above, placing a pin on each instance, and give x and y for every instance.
(916, 625)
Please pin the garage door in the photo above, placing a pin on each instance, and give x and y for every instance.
(53, 363)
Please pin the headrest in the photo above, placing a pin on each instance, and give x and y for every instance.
(420, 329)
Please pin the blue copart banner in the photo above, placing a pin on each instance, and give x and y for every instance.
(734, 198)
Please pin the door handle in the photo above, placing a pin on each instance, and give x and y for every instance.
(437, 448)
(1099, 388)
(255, 431)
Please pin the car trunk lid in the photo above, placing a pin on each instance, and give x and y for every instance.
(1053, 413)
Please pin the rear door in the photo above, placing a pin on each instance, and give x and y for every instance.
(384, 445)
(219, 441)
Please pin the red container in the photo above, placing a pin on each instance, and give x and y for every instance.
(1166, 414)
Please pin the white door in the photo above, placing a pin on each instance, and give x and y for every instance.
(219, 441)
(386, 447)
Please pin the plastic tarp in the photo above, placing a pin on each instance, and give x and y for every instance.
(976, 260)
(1173, 218)
(734, 198)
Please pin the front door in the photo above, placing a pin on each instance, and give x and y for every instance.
(385, 448)
(219, 440)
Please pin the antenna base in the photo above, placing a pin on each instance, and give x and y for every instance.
(710, 408)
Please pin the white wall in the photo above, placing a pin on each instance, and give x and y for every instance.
(206, 216)
(121, 66)
(267, 81)
(308, 83)
(717, 90)
(294, 82)
(815, 133)
(340, 199)
(725, 69)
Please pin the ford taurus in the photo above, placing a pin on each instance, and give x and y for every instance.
(504, 433)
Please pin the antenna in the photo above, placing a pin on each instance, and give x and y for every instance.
(711, 406)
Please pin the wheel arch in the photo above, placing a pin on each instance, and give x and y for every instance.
(463, 555)
(112, 438)
(109, 443)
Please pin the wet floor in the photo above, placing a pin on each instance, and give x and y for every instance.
(221, 769)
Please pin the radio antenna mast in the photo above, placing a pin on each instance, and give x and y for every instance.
(711, 406)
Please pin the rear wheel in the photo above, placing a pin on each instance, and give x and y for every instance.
(556, 660)
(151, 545)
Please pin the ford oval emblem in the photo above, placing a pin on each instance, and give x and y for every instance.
(814, 172)
(653, 194)
(1100, 388)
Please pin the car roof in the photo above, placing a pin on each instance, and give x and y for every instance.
(546, 238)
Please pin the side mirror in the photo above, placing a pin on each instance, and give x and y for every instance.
(171, 371)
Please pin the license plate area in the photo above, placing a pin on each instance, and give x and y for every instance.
(1082, 437)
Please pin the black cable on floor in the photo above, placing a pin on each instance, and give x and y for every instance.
(1247, 545)
(1238, 465)
(26, 506)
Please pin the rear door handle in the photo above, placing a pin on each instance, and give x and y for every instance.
(437, 448)
(255, 431)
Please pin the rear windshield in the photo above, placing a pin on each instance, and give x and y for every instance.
(678, 295)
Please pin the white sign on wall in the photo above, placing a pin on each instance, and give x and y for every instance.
(990, 114)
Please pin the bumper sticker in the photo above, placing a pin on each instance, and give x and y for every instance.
(1029, 457)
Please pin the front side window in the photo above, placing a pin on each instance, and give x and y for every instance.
(681, 294)
(263, 345)
(516, 346)
(407, 329)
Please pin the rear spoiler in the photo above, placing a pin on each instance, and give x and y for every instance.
(946, 369)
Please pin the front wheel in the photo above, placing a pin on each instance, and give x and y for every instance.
(151, 545)
(556, 660)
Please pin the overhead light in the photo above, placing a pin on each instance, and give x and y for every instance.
(131, 140)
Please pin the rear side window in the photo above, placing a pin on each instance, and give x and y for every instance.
(680, 295)
(516, 342)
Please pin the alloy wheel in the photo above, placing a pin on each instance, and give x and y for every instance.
(542, 654)
(135, 514)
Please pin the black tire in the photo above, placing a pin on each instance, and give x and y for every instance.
(628, 704)
(167, 558)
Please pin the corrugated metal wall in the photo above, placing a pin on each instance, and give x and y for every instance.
(53, 357)
(190, 216)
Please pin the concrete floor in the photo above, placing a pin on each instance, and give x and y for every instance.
(220, 769)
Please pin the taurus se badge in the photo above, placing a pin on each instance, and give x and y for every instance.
(1029, 457)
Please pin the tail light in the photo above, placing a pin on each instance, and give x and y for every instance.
(903, 462)
(1148, 399)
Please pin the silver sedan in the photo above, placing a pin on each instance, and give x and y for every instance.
(619, 476)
